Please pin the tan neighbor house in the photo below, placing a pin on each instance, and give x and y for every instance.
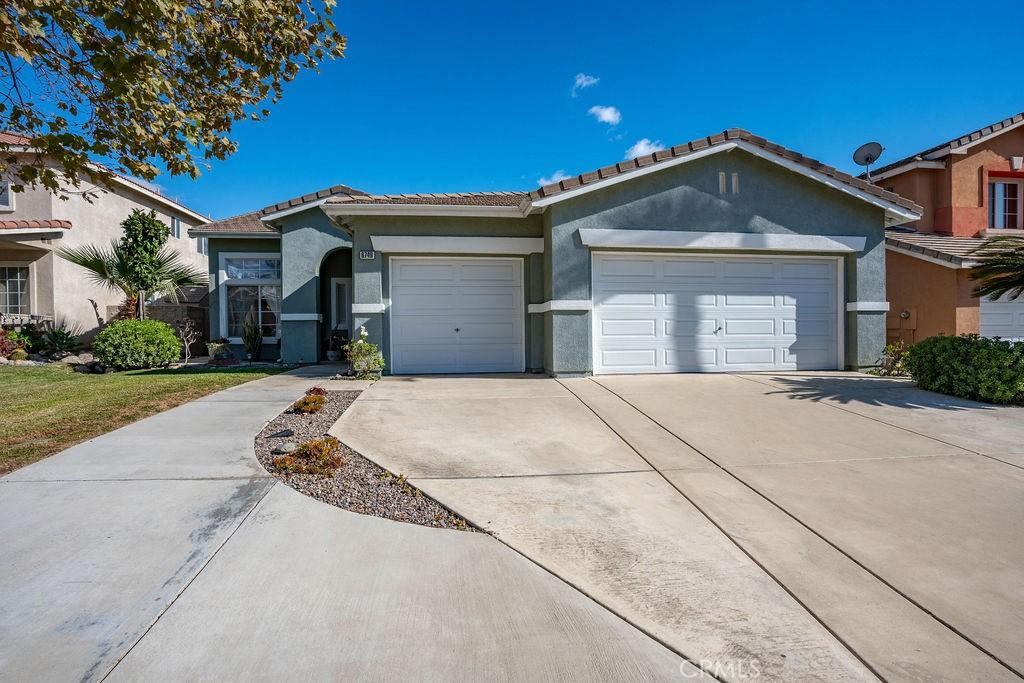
(970, 188)
(36, 284)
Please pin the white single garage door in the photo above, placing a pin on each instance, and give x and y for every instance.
(1002, 318)
(453, 315)
(676, 313)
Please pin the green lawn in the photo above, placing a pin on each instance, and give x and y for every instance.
(49, 408)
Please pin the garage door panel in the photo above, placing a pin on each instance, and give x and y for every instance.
(640, 327)
(687, 299)
(1002, 318)
(632, 299)
(751, 326)
(678, 269)
(434, 273)
(689, 328)
(760, 270)
(460, 314)
(805, 270)
(418, 300)
(629, 267)
(728, 314)
(680, 359)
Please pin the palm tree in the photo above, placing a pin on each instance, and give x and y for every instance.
(1001, 267)
(110, 268)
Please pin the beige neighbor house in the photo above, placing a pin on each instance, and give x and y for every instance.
(36, 284)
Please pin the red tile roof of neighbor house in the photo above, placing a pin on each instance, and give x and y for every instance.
(341, 194)
(956, 250)
(35, 225)
(13, 138)
(960, 141)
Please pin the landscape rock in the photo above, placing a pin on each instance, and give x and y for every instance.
(98, 368)
(287, 447)
(71, 360)
(4, 361)
(39, 358)
(59, 355)
(86, 357)
(283, 433)
(83, 368)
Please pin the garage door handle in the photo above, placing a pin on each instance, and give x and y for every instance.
(718, 329)
(456, 329)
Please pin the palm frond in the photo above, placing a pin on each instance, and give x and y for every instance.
(175, 275)
(104, 266)
(1000, 269)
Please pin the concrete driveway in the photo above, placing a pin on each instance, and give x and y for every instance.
(164, 551)
(809, 526)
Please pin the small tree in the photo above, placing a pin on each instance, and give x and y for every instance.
(188, 333)
(143, 237)
(137, 264)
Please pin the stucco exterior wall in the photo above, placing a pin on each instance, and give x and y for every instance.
(933, 299)
(955, 198)
(371, 283)
(76, 301)
(686, 197)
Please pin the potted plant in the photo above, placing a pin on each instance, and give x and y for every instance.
(335, 343)
(366, 359)
(252, 339)
(219, 349)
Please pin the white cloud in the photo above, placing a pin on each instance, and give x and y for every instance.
(609, 115)
(555, 177)
(644, 147)
(583, 81)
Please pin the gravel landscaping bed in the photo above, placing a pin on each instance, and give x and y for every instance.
(359, 485)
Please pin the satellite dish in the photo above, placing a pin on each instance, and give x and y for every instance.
(867, 154)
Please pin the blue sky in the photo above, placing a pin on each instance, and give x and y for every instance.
(443, 97)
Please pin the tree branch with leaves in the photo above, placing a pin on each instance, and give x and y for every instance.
(145, 84)
(1000, 269)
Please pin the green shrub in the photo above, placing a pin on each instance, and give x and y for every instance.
(969, 366)
(134, 344)
(61, 340)
(319, 456)
(18, 354)
(10, 342)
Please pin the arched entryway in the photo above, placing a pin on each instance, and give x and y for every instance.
(335, 276)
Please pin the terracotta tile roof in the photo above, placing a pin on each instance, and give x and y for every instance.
(342, 190)
(731, 135)
(36, 225)
(956, 250)
(13, 139)
(242, 223)
(438, 198)
(960, 141)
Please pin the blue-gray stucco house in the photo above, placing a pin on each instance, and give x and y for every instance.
(728, 253)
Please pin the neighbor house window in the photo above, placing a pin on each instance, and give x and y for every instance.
(250, 290)
(203, 246)
(176, 227)
(1004, 210)
(6, 196)
(14, 290)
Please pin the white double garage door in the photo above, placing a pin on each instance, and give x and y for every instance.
(651, 314)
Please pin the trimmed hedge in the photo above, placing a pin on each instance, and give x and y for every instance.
(969, 366)
(136, 344)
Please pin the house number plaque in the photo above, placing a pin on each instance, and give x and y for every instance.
(367, 254)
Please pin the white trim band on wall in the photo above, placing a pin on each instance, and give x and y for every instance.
(396, 244)
(868, 306)
(561, 305)
(302, 316)
(686, 239)
(367, 308)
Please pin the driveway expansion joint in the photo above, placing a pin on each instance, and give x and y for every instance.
(849, 556)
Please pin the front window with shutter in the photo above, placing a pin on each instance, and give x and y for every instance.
(6, 196)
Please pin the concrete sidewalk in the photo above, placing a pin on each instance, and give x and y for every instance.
(164, 551)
